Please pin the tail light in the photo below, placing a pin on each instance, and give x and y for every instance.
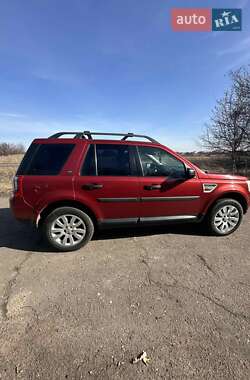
(17, 185)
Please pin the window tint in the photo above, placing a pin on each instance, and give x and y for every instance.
(47, 159)
(89, 167)
(158, 162)
(27, 158)
(113, 160)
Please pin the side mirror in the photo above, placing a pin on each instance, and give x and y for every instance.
(190, 173)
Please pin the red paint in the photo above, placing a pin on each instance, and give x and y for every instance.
(38, 192)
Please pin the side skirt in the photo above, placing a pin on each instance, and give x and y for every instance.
(110, 223)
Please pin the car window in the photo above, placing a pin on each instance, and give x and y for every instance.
(111, 159)
(45, 159)
(158, 162)
(89, 167)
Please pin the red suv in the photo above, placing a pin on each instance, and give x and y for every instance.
(70, 186)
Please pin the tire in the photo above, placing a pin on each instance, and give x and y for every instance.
(225, 217)
(67, 229)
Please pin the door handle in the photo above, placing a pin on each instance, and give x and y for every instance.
(152, 187)
(92, 186)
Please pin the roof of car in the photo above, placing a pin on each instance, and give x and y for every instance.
(86, 141)
(88, 137)
(91, 135)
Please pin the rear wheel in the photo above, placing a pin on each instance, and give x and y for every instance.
(225, 217)
(67, 229)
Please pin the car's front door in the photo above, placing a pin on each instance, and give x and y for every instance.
(108, 183)
(165, 191)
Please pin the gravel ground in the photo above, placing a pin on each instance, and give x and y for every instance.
(173, 292)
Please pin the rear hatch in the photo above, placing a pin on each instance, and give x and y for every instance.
(38, 176)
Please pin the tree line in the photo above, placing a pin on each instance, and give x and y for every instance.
(7, 149)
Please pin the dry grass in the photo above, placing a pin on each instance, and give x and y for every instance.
(8, 167)
(220, 163)
(11, 159)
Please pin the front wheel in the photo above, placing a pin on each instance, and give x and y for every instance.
(225, 217)
(67, 229)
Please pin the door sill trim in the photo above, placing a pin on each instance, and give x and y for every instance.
(150, 199)
(170, 199)
(174, 218)
(147, 220)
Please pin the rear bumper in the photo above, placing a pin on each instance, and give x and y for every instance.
(20, 209)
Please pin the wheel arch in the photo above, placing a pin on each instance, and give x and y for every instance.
(65, 203)
(230, 195)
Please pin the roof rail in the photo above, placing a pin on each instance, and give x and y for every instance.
(89, 135)
(78, 135)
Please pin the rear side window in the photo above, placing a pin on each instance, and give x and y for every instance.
(108, 160)
(89, 167)
(113, 160)
(45, 159)
(27, 159)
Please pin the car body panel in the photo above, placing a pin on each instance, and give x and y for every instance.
(175, 197)
(118, 198)
(123, 197)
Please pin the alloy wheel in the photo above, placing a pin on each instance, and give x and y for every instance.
(226, 219)
(68, 230)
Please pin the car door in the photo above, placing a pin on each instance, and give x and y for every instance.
(165, 190)
(108, 183)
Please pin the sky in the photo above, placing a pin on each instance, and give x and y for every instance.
(112, 66)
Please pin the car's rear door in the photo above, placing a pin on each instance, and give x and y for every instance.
(165, 191)
(108, 182)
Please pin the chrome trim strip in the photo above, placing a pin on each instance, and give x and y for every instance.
(150, 199)
(170, 199)
(154, 219)
(167, 218)
(118, 200)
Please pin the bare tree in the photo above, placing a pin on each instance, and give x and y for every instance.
(241, 85)
(229, 127)
(6, 149)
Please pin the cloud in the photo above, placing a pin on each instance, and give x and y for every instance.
(50, 75)
(25, 130)
(240, 61)
(12, 115)
(244, 45)
(236, 55)
(243, 3)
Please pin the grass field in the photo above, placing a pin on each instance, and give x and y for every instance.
(220, 163)
(215, 163)
(8, 167)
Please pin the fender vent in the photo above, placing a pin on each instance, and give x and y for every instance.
(209, 187)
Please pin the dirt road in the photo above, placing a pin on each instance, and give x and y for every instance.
(181, 296)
